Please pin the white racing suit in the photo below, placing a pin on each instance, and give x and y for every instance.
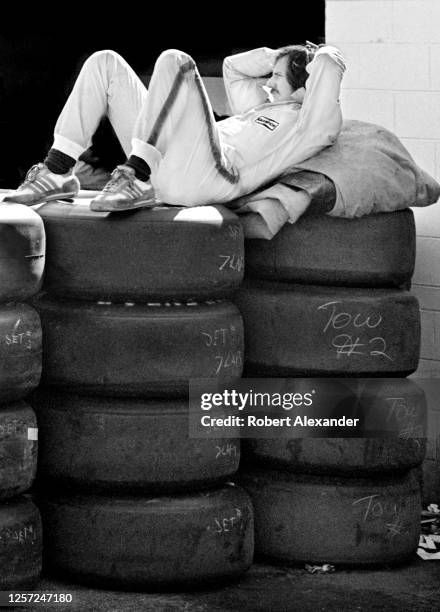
(193, 159)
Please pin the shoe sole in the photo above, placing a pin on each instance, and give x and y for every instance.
(121, 207)
(69, 197)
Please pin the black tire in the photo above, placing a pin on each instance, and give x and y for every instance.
(300, 330)
(20, 351)
(165, 253)
(347, 521)
(396, 404)
(127, 445)
(20, 544)
(137, 542)
(138, 350)
(376, 251)
(336, 456)
(18, 449)
(22, 252)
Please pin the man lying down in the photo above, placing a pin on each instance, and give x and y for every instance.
(177, 152)
(276, 157)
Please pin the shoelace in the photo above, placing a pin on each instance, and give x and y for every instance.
(119, 175)
(31, 175)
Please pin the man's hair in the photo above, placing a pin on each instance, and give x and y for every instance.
(298, 56)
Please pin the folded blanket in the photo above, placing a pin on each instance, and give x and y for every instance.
(371, 172)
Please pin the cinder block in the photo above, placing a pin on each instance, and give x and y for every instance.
(416, 20)
(433, 430)
(373, 106)
(362, 21)
(429, 297)
(428, 220)
(423, 152)
(417, 114)
(435, 67)
(430, 348)
(427, 270)
(431, 476)
(428, 368)
(393, 66)
(437, 173)
(351, 54)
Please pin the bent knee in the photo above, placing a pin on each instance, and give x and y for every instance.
(102, 57)
(173, 57)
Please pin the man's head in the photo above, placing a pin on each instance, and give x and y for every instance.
(289, 72)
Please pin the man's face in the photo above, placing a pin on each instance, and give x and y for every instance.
(281, 90)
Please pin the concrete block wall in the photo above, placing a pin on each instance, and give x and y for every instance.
(393, 78)
(431, 465)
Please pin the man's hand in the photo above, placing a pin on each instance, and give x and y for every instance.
(334, 53)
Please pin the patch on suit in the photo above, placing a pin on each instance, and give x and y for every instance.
(270, 124)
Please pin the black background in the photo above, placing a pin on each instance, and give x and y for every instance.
(38, 64)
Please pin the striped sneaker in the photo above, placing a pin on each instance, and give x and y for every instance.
(42, 185)
(124, 192)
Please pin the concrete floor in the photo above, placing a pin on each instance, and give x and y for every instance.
(265, 588)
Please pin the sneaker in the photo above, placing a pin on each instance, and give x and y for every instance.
(124, 192)
(42, 185)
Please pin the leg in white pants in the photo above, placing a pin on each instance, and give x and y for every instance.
(177, 136)
(106, 86)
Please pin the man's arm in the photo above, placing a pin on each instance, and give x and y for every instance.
(320, 117)
(300, 135)
(244, 74)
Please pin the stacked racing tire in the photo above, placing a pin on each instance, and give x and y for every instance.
(330, 298)
(22, 256)
(135, 307)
